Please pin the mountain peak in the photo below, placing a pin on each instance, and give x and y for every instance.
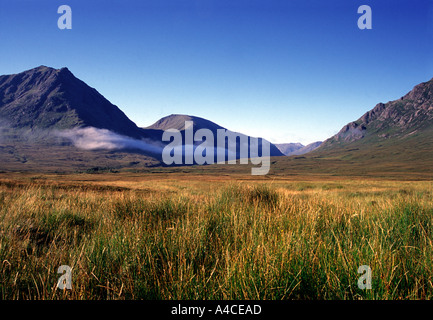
(421, 92)
(45, 70)
(177, 121)
(41, 68)
(45, 97)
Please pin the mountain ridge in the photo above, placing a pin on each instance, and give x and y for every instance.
(177, 121)
(398, 134)
(412, 113)
(52, 104)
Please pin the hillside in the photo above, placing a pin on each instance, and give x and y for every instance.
(51, 120)
(45, 98)
(392, 139)
(408, 118)
(177, 121)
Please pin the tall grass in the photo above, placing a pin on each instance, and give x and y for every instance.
(242, 241)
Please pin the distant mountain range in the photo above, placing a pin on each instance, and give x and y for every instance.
(52, 107)
(50, 120)
(294, 149)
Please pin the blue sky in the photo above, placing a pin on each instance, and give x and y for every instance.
(289, 71)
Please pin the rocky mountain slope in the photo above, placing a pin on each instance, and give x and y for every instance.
(408, 117)
(44, 98)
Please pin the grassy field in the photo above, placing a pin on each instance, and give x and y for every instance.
(184, 236)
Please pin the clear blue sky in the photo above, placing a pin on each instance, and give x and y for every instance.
(290, 71)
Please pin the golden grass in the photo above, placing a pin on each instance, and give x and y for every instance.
(178, 236)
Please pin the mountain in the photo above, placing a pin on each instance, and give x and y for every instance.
(44, 98)
(394, 139)
(177, 121)
(409, 118)
(288, 148)
(291, 149)
(50, 119)
(308, 148)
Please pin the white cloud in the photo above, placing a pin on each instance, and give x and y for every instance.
(91, 138)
